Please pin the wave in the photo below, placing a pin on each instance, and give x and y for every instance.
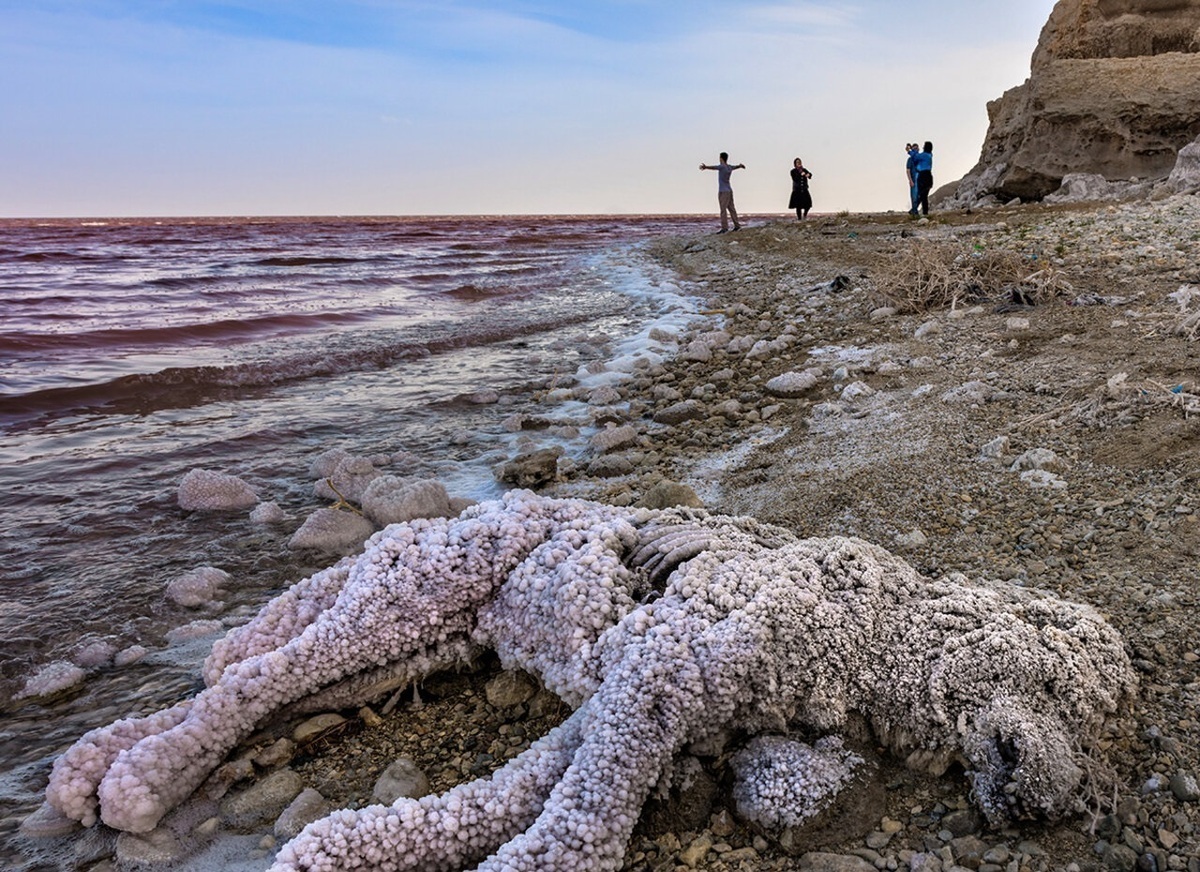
(186, 386)
(310, 260)
(209, 333)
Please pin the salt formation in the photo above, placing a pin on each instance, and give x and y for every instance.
(205, 490)
(664, 628)
(782, 783)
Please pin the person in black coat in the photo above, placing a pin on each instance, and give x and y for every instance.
(801, 199)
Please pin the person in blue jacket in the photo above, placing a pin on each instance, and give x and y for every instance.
(912, 150)
(923, 164)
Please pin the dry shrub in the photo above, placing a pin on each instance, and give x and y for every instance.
(937, 275)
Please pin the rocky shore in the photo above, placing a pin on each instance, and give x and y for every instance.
(1053, 445)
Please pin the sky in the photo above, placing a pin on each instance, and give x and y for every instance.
(445, 107)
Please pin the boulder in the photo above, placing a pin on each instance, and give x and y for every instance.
(1113, 91)
(393, 500)
(1185, 177)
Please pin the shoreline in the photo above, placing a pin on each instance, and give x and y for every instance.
(890, 441)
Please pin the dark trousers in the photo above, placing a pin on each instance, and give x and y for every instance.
(924, 186)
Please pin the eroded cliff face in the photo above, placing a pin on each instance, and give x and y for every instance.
(1114, 90)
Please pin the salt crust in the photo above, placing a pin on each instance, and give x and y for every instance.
(663, 628)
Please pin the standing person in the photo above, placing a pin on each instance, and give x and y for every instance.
(924, 167)
(725, 191)
(801, 199)
(914, 197)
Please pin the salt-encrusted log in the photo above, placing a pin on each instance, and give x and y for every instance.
(752, 630)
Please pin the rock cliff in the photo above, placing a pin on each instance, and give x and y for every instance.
(1113, 92)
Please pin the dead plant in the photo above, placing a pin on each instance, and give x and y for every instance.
(929, 274)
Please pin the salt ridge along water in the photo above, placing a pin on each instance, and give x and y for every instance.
(134, 351)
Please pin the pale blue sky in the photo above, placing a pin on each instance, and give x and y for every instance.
(370, 107)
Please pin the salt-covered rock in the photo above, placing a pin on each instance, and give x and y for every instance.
(268, 513)
(53, 678)
(331, 530)
(1039, 458)
(393, 500)
(129, 656)
(973, 393)
(995, 449)
(1041, 478)
(929, 328)
(912, 540)
(206, 490)
(780, 782)
(327, 461)
(857, 391)
(604, 395)
(793, 384)
(197, 587)
(193, 630)
(94, 653)
(348, 480)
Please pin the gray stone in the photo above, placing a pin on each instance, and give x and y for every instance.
(402, 778)
(263, 801)
(615, 438)
(821, 862)
(666, 494)
(1185, 787)
(610, 466)
(302, 811)
(678, 413)
(531, 469)
(48, 823)
(156, 848)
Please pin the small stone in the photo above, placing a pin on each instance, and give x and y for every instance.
(1185, 787)
(403, 778)
(48, 823)
(822, 862)
(315, 727)
(793, 384)
(155, 848)
(278, 753)
(666, 494)
(263, 801)
(510, 689)
(696, 851)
